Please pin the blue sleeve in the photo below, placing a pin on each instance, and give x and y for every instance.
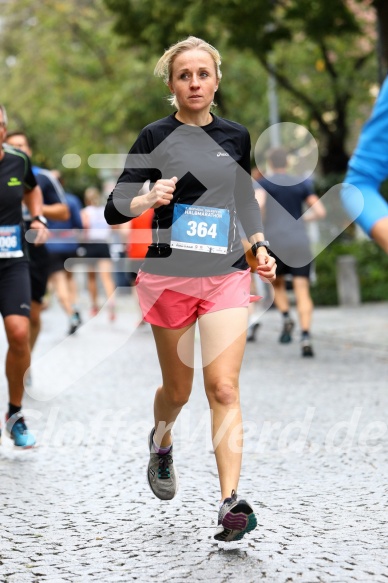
(308, 186)
(368, 167)
(75, 211)
(51, 188)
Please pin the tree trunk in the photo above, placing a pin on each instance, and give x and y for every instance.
(333, 156)
(382, 40)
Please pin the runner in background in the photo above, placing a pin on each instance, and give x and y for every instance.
(17, 185)
(281, 191)
(54, 209)
(63, 245)
(95, 250)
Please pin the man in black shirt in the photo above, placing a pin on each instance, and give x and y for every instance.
(55, 208)
(17, 185)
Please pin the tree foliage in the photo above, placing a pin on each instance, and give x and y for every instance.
(66, 81)
(77, 87)
(321, 52)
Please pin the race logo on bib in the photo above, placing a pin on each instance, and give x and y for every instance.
(200, 228)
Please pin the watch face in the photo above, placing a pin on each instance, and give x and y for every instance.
(41, 219)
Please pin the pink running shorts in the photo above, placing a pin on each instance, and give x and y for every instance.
(175, 302)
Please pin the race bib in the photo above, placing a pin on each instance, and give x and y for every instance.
(10, 242)
(200, 228)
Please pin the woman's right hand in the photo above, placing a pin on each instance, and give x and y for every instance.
(162, 192)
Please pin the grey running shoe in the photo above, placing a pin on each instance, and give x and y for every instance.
(161, 474)
(285, 336)
(236, 517)
(307, 349)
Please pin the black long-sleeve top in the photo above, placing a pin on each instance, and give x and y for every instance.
(212, 164)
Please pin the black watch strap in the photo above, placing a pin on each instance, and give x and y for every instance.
(259, 244)
(41, 219)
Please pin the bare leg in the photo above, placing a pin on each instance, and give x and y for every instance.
(36, 309)
(72, 288)
(59, 281)
(281, 298)
(177, 378)
(304, 302)
(223, 336)
(105, 272)
(379, 233)
(92, 288)
(18, 356)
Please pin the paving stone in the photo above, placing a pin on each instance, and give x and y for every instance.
(315, 461)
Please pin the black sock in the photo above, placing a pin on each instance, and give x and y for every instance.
(12, 409)
(286, 314)
(305, 334)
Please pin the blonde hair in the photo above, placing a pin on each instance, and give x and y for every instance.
(92, 196)
(164, 66)
(3, 111)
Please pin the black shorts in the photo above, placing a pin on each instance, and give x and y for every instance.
(57, 261)
(15, 289)
(94, 251)
(39, 271)
(283, 269)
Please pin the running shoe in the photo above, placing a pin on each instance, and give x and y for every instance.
(75, 323)
(112, 313)
(285, 336)
(161, 474)
(18, 432)
(251, 332)
(307, 349)
(236, 517)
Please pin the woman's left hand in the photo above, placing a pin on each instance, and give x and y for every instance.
(266, 266)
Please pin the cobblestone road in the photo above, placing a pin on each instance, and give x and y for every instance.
(315, 465)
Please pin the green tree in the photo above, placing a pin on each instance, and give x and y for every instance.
(381, 7)
(69, 84)
(321, 52)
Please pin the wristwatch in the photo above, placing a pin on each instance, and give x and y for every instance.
(41, 219)
(259, 244)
